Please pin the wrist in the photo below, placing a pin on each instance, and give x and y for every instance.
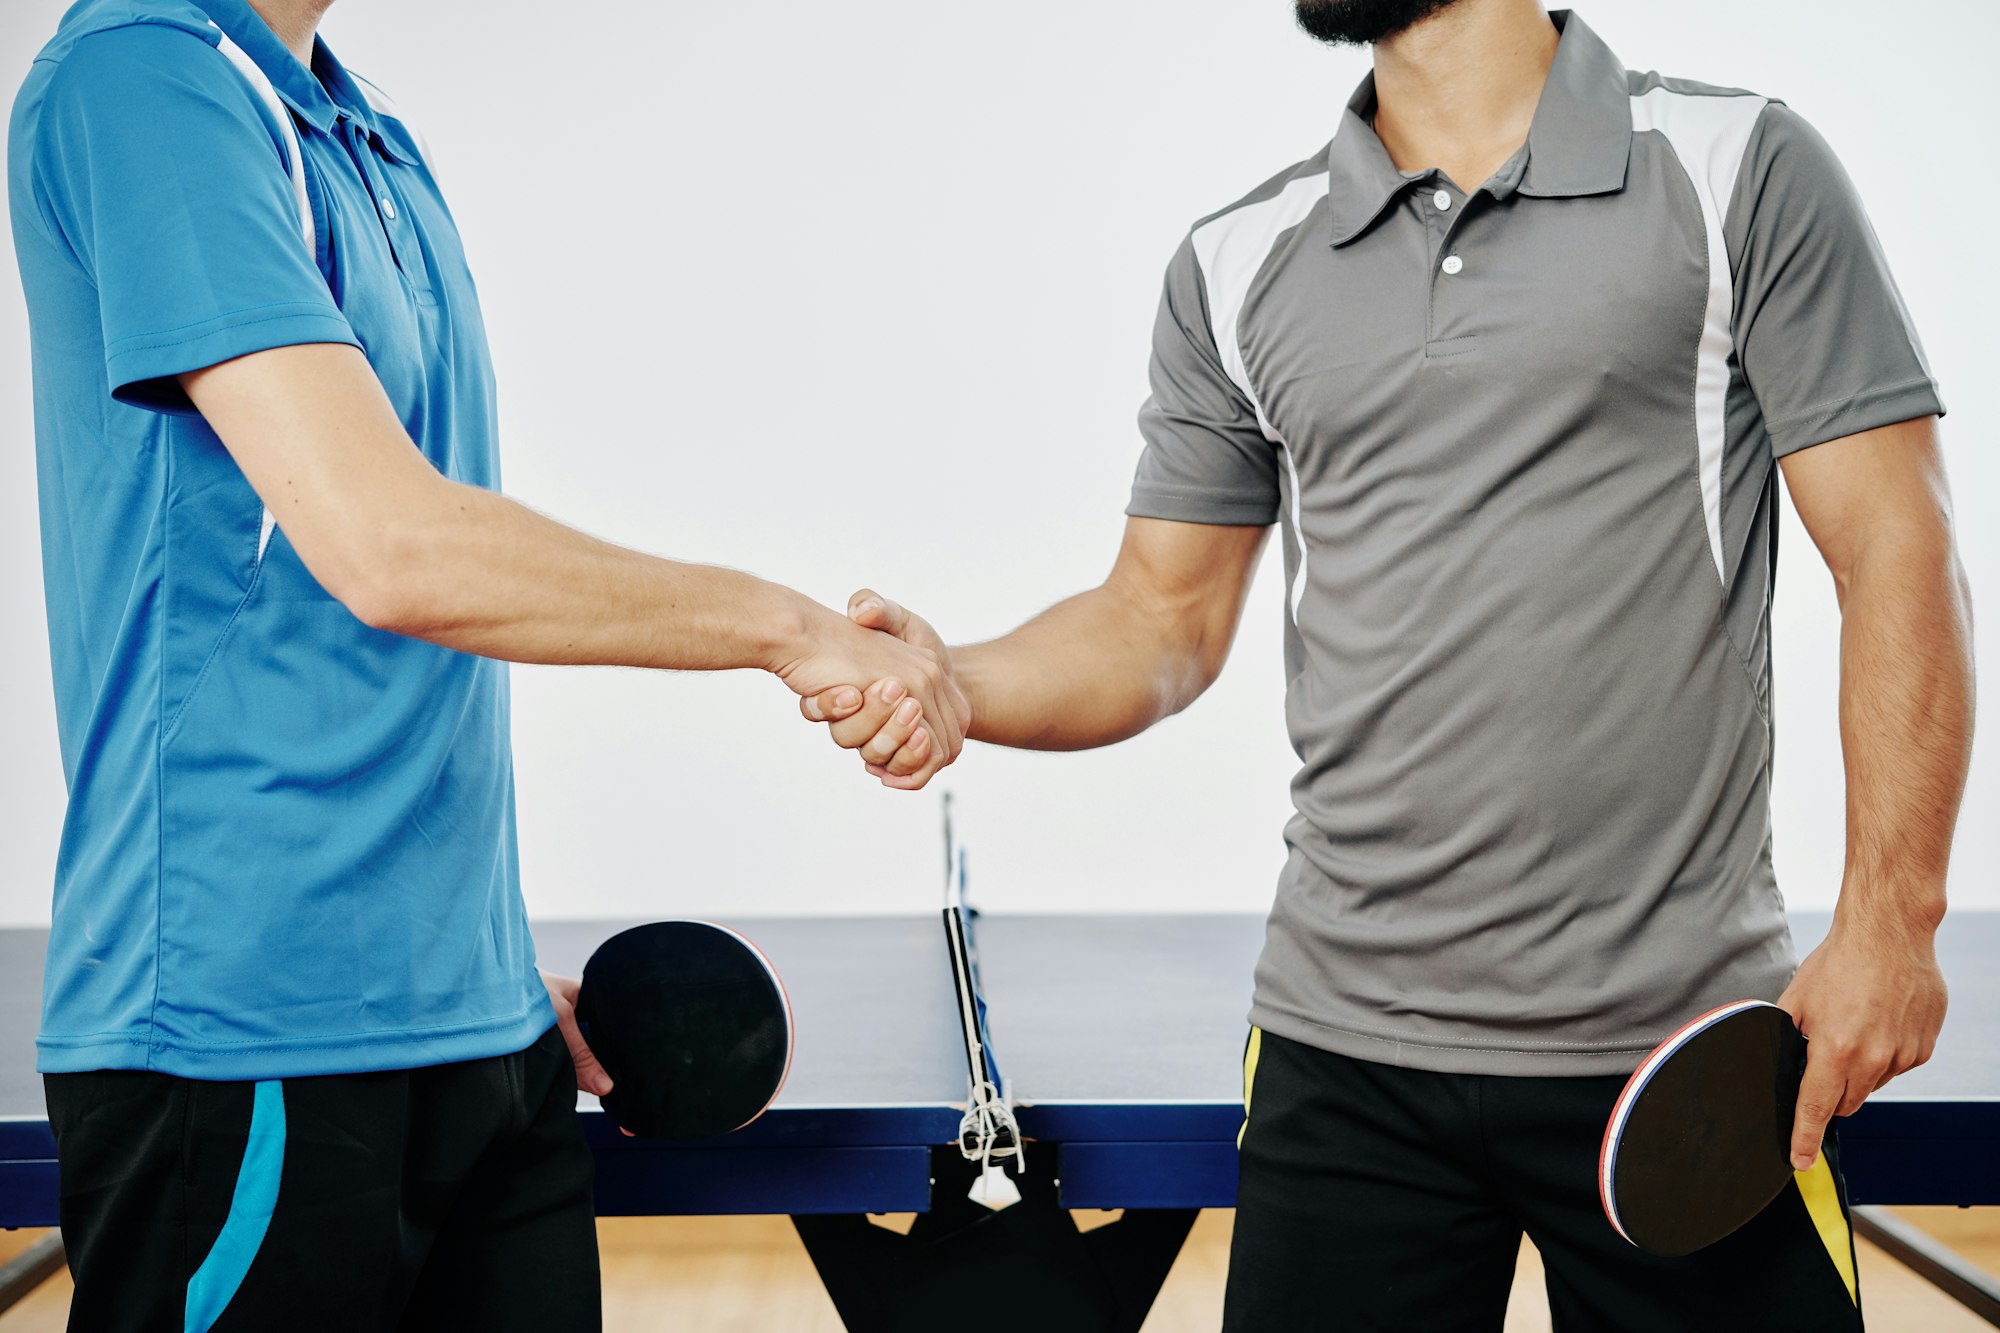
(971, 672)
(783, 627)
(1896, 908)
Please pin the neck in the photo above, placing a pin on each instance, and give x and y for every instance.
(294, 22)
(1463, 83)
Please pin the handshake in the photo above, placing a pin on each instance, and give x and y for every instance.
(912, 720)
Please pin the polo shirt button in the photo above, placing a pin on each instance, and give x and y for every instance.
(388, 208)
(1452, 263)
(1442, 199)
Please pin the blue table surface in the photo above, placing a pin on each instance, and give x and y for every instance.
(1125, 1031)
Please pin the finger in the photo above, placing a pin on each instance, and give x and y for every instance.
(1820, 1094)
(590, 1075)
(842, 701)
(940, 716)
(902, 724)
(916, 752)
(1862, 1085)
(879, 701)
(914, 782)
(926, 769)
(871, 610)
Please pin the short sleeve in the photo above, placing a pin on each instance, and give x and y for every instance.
(171, 187)
(1824, 341)
(1206, 459)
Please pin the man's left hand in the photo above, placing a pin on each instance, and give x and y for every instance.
(1870, 1000)
(590, 1075)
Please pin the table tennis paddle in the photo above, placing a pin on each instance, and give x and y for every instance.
(693, 1025)
(1700, 1139)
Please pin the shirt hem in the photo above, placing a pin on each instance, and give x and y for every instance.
(143, 369)
(358, 1053)
(1452, 1055)
(1853, 414)
(1197, 507)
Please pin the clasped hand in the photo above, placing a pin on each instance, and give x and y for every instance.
(912, 720)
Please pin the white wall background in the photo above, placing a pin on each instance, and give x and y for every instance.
(861, 293)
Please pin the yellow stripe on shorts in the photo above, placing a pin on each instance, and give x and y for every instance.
(1823, 1206)
(1250, 1053)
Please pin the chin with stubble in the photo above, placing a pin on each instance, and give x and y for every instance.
(1359, 22)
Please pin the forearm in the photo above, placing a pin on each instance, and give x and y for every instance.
(406, 549)
(1906, 707)
(474, 570)
(1090, 671)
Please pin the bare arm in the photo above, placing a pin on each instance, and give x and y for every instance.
(1110, 662)
(1870, 997)
(407, 550)
(1095, 669)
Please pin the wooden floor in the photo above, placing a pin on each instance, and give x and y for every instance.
(750, 1275)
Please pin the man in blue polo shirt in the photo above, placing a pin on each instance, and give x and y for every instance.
(288, 942)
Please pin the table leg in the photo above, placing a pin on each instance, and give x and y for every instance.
(1921, 1253)
(29, 1269)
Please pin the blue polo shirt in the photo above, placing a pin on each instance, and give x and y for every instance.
(289, 847)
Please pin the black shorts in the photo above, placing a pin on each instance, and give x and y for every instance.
(1376, 1197)
(456, 1196)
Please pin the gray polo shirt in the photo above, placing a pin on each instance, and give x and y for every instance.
(1523, 445)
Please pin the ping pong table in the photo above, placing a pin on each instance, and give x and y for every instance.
(1120, 1040)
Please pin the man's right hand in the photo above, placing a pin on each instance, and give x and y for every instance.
(913, 705)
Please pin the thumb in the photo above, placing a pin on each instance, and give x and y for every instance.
(871, 610)
(834, 705)
(590, 1075)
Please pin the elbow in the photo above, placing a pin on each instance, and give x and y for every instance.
(1195, 661)
(380, 603)
(378, 581)
(1962, 584)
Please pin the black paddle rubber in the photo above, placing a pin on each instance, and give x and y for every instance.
(1700, 1140)
(692, 1024)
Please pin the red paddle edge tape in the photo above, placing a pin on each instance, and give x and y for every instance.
(784, 997)
(1607, 1151)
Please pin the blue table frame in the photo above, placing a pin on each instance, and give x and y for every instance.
(1129, 1108)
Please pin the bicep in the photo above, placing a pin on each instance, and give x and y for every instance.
(1196, 575)
(1874, 491)
(320, 443)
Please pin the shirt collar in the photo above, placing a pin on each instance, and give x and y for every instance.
(1578, 143)
(319, 95)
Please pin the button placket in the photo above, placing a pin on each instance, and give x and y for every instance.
(1446, 263)
(362, 153)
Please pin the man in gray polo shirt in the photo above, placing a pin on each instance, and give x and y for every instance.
(1523, 444)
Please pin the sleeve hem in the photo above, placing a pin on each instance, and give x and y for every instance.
(143, 369)
(1852, 415)
(1180, 505)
